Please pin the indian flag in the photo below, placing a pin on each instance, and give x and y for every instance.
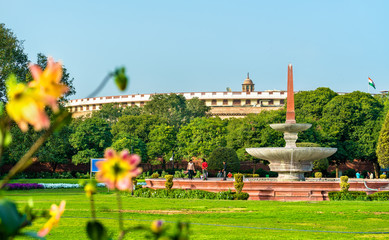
(371, 83)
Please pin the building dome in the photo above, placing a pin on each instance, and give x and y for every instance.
(248, 85)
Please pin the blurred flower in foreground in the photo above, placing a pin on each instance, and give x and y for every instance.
(157, 226)
(48, 82)
(26, 103)
(90, 189)
(55, 213)
(25, 106)
(121, 79)
(118, 170)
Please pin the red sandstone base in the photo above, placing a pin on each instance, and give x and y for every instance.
(273, 190)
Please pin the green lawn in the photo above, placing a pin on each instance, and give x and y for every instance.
(217, 219)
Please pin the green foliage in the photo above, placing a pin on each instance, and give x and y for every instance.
(11, 221)
(224, 154)
(379, 196)
(348, 195)
(120, 78)
(84, 156)
(162, 139)
(169, 182)
(318, 175)
(131, 143)
(13, 60)
(238, 184)
(136, 126)
(344, 185)
(91, 137)
(241, 196)
(349, 123)
(174, 109)
(201, 136)
(254, 131)
(309, 104)
(155, 175)
(383, 144)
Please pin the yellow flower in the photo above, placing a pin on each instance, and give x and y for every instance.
(25, 106)
(118, 170)
(156, 226)
(90, 189)
(55, 213)
(48, 82)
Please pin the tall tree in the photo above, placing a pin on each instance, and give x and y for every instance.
(138, 126)
(348, 124)
(174, 109)
(201, 136)
(91, 137)
(162, 140)
(383, 144)
(12, 59)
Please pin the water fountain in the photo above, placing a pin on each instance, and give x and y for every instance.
(290, 162)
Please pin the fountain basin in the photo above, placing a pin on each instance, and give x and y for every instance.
(291, 163)
(290, 127)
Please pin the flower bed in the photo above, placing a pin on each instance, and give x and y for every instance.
(65, 185)
(24, 186)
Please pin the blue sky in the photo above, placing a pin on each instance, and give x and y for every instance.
(189, 46)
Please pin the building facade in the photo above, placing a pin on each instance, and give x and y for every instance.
(223, 104)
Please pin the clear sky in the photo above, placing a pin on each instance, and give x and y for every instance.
(208, 45)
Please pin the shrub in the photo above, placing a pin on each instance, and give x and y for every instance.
(169, 182)
(188, 194)
(344, 185)
(224, 154)
(155, 175)
(348, 195)
(379, 196)
(163, 174)
(383, 176)
(318, 175)
(241, 196)
(198, 174)
(238, 184)
(250, 175)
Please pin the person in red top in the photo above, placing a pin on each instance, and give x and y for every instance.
(204, 166)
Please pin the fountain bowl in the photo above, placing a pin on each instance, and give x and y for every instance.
(291, 163)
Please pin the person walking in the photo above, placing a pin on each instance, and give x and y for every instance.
(224, 170)
(204, 166)
(191, 169)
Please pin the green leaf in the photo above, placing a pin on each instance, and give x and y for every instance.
(10, 219)
(96, 231)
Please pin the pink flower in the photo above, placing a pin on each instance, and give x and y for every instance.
(117, 170)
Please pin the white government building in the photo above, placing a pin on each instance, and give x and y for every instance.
(223, 104)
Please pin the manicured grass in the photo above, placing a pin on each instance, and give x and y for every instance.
(217, 219)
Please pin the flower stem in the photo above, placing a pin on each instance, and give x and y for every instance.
(92, 207)
(120, 216)
(101, 86)
(26, 160)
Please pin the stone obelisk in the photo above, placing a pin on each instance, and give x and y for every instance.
(290, 115)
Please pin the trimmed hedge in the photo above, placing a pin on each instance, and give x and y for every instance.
(379, 196)
(189, 194)
(348, 195)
